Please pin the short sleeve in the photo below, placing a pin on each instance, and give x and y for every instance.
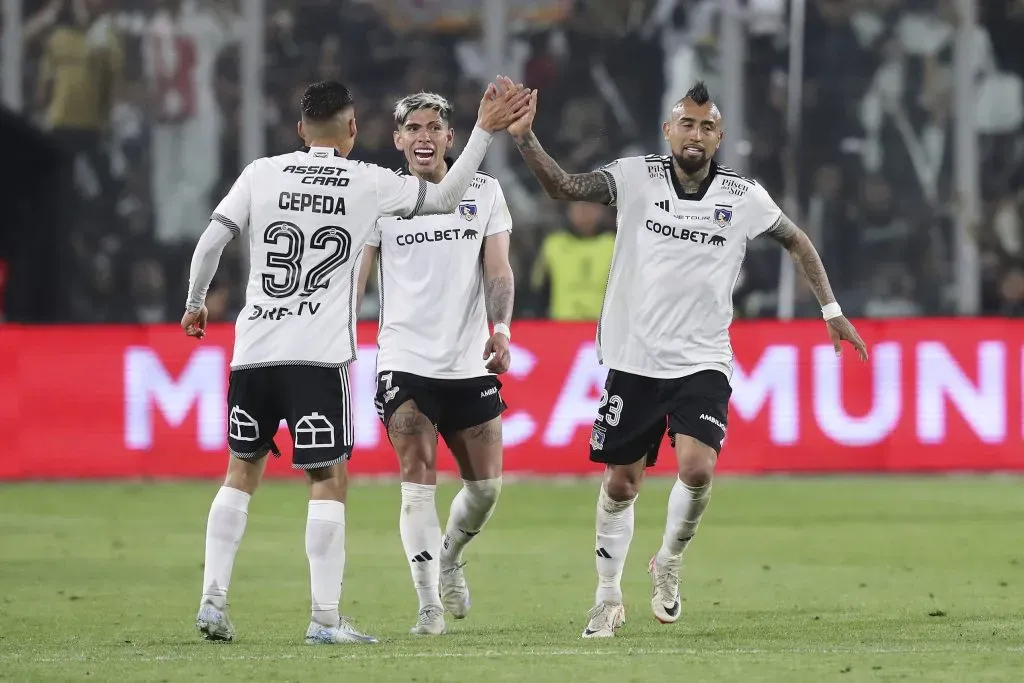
(615, 176)
(375, 236)
(500, 220)
(233, 210)
(764, 212)
(399, 195)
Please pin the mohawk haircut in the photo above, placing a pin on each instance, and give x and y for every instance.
(323, 100)
(698, 93)
(422, 100)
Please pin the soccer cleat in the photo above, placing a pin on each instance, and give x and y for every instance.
(430, 622)
(454, 590)
(345, 632)
(214, 624)
(665, 588)
(605, 618)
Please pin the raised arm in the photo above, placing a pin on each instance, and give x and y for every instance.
(596, 186)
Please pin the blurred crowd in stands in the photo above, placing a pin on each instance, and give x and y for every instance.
(147, 94)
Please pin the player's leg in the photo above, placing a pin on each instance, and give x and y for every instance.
(627, 432)
(408, 411)
(471, 427)
(698, 429)
(253, 419)
(319, 414)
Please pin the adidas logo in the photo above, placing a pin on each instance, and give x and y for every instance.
(664, 206)
(422, 557)
(601, 552)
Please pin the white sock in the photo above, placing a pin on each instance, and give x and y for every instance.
(471, 509)
(325, 548)
(421, 538)
(614, 533)
(224, 529)
(685, 506)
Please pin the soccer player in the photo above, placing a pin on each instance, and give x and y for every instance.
(306, 216)
(683, 222)
(441, 278)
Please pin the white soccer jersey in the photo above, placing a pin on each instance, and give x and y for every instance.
(668, 304)
(433, 319)
(307, 215)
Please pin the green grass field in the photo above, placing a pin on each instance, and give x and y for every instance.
(788, 580)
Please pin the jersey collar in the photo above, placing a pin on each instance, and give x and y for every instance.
(321, 149)
(699, 194)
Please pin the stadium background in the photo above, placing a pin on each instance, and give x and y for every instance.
(890, 130)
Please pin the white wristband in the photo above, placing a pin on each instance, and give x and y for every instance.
(502, 328)
(832, 310)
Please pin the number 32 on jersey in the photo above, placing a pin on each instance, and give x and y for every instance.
(286, 266)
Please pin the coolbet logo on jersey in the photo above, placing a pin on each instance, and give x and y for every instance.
(680, 233)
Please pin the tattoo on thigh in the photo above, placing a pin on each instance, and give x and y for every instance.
(488, 432)
(409, 422)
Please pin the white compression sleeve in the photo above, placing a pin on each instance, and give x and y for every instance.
(444, 197)
(205, 260)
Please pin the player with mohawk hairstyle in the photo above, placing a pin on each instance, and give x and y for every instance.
(683, 223)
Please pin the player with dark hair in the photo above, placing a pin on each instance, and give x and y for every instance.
(305, 216)
(441, 277)
(683, 222)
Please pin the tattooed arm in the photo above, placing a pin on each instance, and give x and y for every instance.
(800, 247)
(597, 187)
(499, 282)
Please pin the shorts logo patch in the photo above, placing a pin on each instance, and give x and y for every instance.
(489, 392)
(597, 438)
(314, 431)
(713, 420)
(242, 426)
(390, 394)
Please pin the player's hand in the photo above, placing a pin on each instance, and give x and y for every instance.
(501, 105)
(497, 354)
(524, 124)
(194, 324)
(841, 329)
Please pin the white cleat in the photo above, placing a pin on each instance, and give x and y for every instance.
(214, 624)
(605, 620)
(345, 632)
(665, 589)
(454, 590)
(430, 622)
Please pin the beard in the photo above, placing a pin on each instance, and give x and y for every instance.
(691, 164)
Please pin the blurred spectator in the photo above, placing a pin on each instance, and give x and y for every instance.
(180, 51)
(572, 266)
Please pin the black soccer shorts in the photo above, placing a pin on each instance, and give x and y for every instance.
(314, 401)
(449, 404)
(635, 410)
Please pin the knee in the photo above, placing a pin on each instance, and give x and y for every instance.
(417, 464)
(622, 483)
(696, 465)
(486, 491)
